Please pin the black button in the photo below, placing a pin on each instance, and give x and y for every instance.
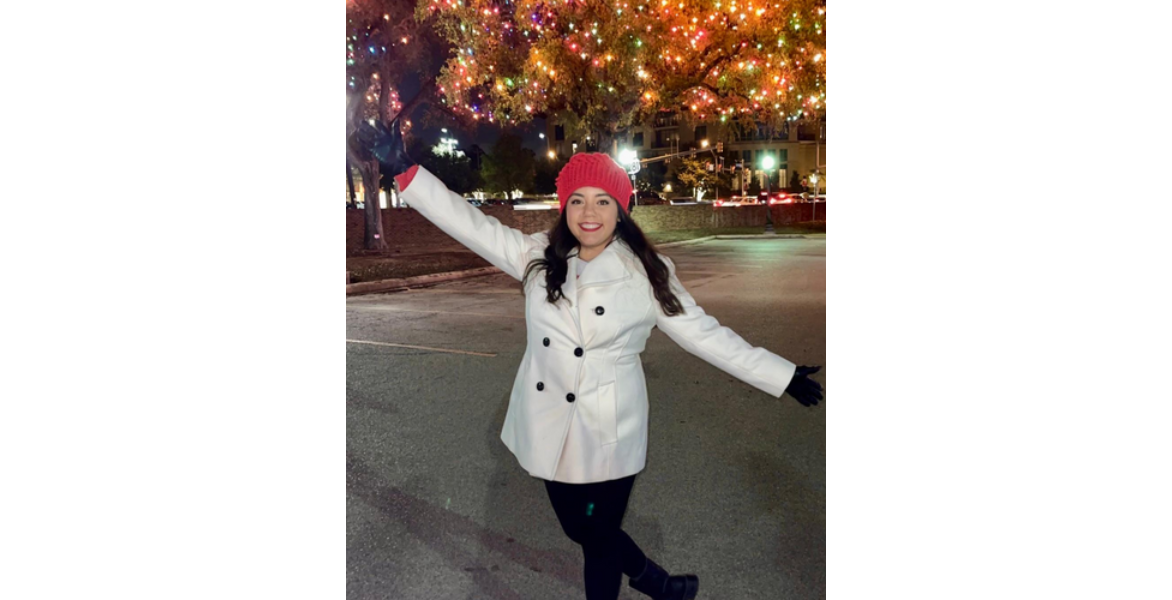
(569, 397)
(599, 310)
(540, 386)
(577, 352)
(545, 342)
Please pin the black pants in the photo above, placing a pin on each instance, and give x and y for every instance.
(591, 514)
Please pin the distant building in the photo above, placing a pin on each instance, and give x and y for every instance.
(797, 147)
(474, 155)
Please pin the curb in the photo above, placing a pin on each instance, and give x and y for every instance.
(406, 283)
(753, 236)
(776, 236)
(419, 281)
(684, 242)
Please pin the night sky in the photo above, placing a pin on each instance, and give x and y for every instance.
(485, 135)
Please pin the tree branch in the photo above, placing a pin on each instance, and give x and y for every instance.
(424, 96)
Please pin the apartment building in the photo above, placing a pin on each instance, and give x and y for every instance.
(797, 147)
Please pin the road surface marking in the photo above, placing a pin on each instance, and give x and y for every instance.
(481, 291)
(420, 348)
(438, 312)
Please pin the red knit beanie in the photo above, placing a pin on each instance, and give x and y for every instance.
(594, 170)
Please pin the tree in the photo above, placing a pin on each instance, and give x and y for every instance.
(694, 173)
(453, 169)
(509, 166)
(545, 179)
(754, 185)
(795, 182)
(597, 67)
(385, 44)
(652, 177)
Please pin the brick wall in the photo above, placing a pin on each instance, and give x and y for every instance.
(405, 228)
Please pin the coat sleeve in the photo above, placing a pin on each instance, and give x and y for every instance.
(502, 246)
(703, 336)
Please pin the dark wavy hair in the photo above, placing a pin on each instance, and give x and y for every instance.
(562, 242)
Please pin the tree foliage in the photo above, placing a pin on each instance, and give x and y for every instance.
(693, 173)
(545, 179)
(509, 166)
(598, 67)
(795, 181)
(453, 169)
(652, 177)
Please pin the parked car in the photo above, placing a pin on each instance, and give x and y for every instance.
(645, 198)
(533, 204)
(771, 197)
(733, 201)
(809, 197)
(474, 202)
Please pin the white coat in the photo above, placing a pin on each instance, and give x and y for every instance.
(578, 409)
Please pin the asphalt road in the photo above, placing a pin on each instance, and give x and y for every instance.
(735, 484)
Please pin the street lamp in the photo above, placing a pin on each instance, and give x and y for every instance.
(767, 165)
(703, 143)
(630, 158)
(814, 184)
(552, 155)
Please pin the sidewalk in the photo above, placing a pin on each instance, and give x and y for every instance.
(448, 266)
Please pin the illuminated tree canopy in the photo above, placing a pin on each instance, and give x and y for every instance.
(601, 65)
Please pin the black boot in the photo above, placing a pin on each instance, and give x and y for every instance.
(655, 582)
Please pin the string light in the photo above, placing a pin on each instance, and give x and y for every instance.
(730, 52)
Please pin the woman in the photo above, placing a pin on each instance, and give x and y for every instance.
(594, 288)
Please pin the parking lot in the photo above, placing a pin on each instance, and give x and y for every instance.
(734, 488)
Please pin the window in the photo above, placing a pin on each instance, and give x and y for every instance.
(559, 133)
(808, 132)
(701, 132)
(747, 156)
(638, 142)
(782, 158)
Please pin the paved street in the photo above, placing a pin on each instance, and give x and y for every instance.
(734, 489)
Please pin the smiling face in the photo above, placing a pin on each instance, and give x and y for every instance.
(592, 215)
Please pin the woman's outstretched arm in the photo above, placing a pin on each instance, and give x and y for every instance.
(703, 336)
(502, 246)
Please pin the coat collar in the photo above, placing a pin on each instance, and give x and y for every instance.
(608, 267)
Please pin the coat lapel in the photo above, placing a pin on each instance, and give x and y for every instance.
(606, 268)
(570, 291)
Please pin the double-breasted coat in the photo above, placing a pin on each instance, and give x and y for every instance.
(578, 409)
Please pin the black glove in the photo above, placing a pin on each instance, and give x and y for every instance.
(386, 145)
(803, 389)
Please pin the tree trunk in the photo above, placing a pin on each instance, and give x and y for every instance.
(350, 182)
(608, 142)
(373, 236)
